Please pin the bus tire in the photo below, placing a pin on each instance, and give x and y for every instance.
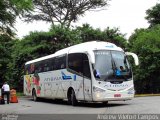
(105, 103)
(73, 98)
(34, 95)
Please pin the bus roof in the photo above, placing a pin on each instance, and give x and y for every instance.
(81, 48)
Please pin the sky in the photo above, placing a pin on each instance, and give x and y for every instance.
(127, 15)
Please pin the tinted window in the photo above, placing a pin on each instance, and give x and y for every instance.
(79, 63)
(60, 63)
(75, 62)
(27, 69)
(47, 65)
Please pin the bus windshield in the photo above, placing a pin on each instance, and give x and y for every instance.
(111, 66)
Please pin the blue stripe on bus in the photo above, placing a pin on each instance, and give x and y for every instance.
(65, 77)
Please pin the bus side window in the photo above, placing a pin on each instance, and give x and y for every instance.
(60, 62)
(52, 63)
(32, 68)
(36, 67)
(46, 65)
(56, 64)
(49, 68)
(63, 62)
(75, 62)
(40, 67)
(26, 69)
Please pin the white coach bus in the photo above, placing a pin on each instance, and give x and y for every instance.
(93, 71)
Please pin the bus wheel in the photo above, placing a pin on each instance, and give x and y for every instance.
(34, 95)
(73, 98)
(105, 103)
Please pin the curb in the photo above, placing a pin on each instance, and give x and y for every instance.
(146, 95)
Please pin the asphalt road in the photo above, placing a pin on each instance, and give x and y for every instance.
(50, 109)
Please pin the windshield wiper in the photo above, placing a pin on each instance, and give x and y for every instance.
(114, 66)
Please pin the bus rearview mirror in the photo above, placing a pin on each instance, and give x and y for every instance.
(136, 60)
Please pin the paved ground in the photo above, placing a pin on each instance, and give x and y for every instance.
(139, 105)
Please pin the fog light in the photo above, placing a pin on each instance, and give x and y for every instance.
(97, 95)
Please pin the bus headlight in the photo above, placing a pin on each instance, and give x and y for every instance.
(97, 89)
(131, 90)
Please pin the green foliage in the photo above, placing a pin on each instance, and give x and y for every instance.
(22, 5)
(9, 10)
(87, 33)
(5, 56)
(153, 15)
(146, 43)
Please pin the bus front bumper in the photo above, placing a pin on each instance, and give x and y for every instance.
(113, 96)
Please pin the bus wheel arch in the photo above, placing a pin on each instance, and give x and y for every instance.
(71, 96)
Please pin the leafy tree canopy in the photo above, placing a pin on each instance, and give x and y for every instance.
(153, 15)
(146, 43)
(113, 35)
(5, 56)
(9, 9)
(62, 11)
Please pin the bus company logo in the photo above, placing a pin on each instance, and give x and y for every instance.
(116, 85)
(67, 77)
(109, 46)
(63, 77)
(51, 79)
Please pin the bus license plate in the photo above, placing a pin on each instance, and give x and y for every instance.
(117, 95)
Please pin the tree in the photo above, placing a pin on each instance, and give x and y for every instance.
(87, 33)
(62, 11)
(5, 56)
(153, 15)
(146, 44)
(9, 10)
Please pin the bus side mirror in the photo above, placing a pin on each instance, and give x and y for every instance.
(136, 60)
(96, 74)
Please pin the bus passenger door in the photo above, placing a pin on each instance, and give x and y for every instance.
(87, 85)
(78, 65)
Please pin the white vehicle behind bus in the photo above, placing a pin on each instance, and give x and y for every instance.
(93, 71)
